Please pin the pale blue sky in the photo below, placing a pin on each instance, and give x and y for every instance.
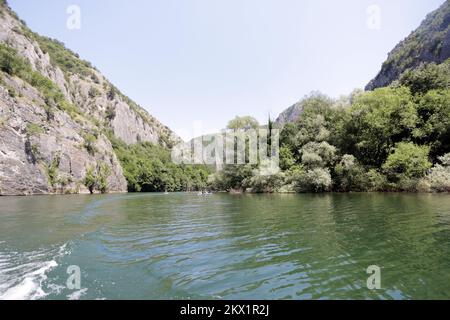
(208, 60)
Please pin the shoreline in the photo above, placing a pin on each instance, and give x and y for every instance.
(222, 192)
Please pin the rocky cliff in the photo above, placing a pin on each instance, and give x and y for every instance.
(291, 114)
(314, 99)
(429, 43)
(57, 114)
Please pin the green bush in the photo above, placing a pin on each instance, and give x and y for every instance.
(266, 183)
(89, 143)
(111, 95)
(316, 154)
(61, 56)
(434, 125)
(314, 180)
(350, 175)
(148, 167)
(96, 177)
(236, 177)
(376, 122)
(93, 92)
(12, 92)
(243, 123)
(95, 78)
(287, 159)
(14, 65)
(10, 62)
(427, 77)
(110, 112)
(90, 179)
(376, 180)
(34, 129)
(407, 163)
(439, 176)
(52, 170)
(103, 174)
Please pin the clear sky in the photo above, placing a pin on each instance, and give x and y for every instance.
(207, 61)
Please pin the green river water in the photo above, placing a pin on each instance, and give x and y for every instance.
(184, 246)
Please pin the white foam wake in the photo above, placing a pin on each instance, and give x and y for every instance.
(22, 275)
(77, 294)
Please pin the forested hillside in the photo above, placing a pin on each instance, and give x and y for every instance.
(391, 139)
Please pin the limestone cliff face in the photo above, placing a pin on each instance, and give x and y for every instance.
(291, 114)
(312, 100)
(61, 145)
(39, 156)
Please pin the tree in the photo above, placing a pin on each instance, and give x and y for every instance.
(90, 180)
(104, 171)
(434, 122)
(10, 61)
(316, 123)
(288, 137)
(314, 180)
(89, 143)
(243, 123)
(376, 122)
(97, 177)
(266, 184)
(235, 177)
(439, 176)
(408, 161)
(287, 159)
(149, 168)
(316, 154)
(427, 77)
(350, 175)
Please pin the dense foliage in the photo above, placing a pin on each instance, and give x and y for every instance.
(149, 168)
(382, 140)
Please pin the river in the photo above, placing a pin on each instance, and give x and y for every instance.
(184, 246)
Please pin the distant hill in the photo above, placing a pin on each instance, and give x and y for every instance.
(428, 43)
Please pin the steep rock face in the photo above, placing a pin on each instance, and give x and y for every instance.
(429, 43)
(314, 99)
(291, 114)
(38, 156)
(61, 145)
(96, 97)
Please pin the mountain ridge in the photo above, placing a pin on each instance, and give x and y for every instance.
(429, 43)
